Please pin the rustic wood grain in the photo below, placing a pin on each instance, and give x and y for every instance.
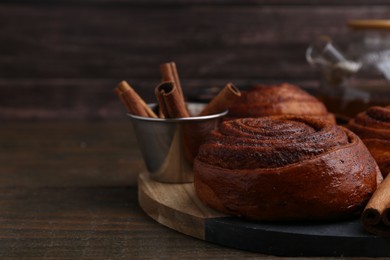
(91, 223)
(67, 191)
(60, 59)
(47, 41)
(69, 154)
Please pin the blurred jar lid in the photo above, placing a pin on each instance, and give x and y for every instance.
(365, 24)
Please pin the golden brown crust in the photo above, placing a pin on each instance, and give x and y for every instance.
(373, 127)
(283, 99)
(285, 168)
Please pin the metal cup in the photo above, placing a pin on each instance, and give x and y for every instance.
(169, 146)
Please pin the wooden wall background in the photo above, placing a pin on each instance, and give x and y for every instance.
(60, 60)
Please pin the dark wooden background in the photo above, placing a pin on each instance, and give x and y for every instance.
(61, 59)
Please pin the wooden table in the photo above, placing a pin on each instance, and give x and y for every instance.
(68, 191)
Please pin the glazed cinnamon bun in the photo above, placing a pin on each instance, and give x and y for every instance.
(285, 168)
(283, 99)
(373, 127)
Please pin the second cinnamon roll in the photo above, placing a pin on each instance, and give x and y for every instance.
(281, 99)
(373, 127)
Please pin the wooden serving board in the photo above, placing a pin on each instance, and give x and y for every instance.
(176, 206)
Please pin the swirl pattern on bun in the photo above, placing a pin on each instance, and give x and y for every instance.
(282, 99)
(285, 168)
(373, 127)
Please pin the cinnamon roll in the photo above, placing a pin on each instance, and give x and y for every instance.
(373, 127)
(285, 168)
(283, 99)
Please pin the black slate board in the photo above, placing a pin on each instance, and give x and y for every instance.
(177, 207)
(346, 238)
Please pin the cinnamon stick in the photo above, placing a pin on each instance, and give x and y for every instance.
(169, 73)
(376, 215)
(166, 72)
(133, 102)
(119, 93)
(222, 101)
(162, 110)
(177, 79)
(170, 101)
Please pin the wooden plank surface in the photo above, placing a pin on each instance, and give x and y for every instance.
(67, 191)
(91, 223)
(68, 154)
(61, 60)
(72, 41)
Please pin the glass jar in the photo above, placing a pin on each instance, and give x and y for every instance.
(358, 76)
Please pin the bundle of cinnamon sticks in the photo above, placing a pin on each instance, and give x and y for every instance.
(170, 97)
